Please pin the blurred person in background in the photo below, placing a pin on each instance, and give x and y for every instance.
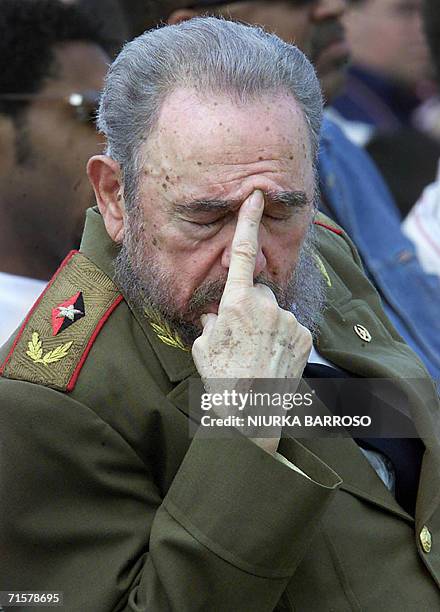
(314, 26)
(377, 108)
(53, 67)
(390, 59)
(422, 224)
(353, 192)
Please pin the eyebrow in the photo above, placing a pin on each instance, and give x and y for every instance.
(290, 199)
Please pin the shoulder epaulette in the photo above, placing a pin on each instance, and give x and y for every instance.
(325, 222)
(53, 343)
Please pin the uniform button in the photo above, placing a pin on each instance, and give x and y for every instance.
(362, 332)
(426, 539)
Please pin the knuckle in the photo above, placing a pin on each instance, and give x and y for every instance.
(271, 309)
(291, 320)
(289, 316)
(303, 334)
(266, 293)
(245, 249)
(306, 337)
(234, 310)
(198, 346)
(250, 220)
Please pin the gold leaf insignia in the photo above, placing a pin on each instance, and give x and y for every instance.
(35, 351)
(322, 269)
(157, 328)
(58, 353)
(164, 332)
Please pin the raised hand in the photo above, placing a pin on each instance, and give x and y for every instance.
(251, 336)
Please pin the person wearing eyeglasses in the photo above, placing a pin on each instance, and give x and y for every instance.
(53, 65)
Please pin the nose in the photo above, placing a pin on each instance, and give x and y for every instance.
(260, 261)
(329, 9)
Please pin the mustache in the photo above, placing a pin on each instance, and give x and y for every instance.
(212, 292)
(324, 35)
(148, 285)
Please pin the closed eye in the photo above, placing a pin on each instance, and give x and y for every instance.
(205, 224)
(199, 224)
(278, 213)
(277, 218)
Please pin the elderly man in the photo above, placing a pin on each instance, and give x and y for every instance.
(353, 192)
(204, 238)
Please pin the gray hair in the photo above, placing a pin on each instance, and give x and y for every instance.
(210, 55)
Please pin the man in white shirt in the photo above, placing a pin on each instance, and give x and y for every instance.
(422, 225)
(16, 294)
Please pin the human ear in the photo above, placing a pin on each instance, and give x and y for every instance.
(180, 15)
(105, 176)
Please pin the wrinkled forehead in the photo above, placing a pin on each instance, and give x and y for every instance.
(220, 127)
(216, 147)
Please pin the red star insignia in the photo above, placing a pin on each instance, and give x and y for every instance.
(67, 313)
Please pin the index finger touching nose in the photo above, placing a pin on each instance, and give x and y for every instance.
(244, 248)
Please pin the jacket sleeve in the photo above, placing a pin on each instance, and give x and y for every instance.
(81, 514)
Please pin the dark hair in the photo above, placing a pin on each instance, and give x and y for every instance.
(29, 30)
(142, 15)
(109, 17)
(431, 10)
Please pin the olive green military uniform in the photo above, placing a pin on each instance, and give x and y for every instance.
(106, 498)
